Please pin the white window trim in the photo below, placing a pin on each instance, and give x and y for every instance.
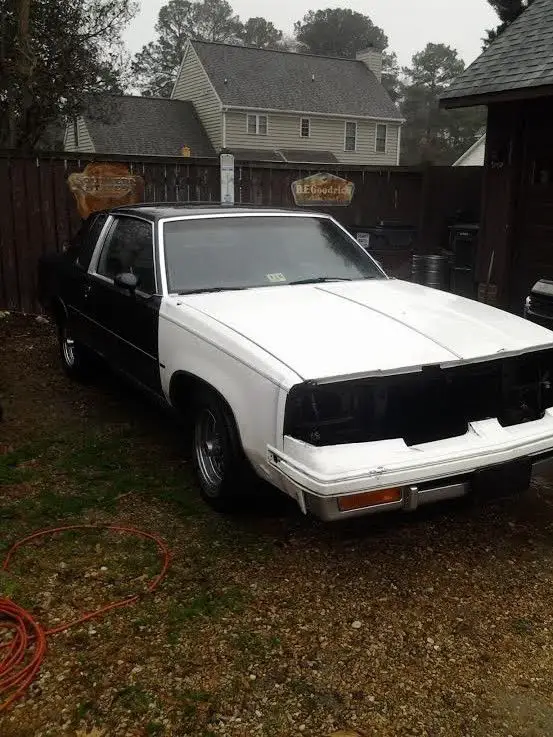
(257, 116)
(304, 117)
(346, 123)
(376, 139)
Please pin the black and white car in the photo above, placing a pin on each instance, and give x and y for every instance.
(301, 361)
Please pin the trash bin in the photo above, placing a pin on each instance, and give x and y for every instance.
(391, 244)
(463, 244)
(431, 271)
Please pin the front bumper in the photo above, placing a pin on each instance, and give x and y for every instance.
(318, 478)
(413, 497)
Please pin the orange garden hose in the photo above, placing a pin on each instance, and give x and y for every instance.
(26, 646)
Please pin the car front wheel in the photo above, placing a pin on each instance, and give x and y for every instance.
(221, 468)
(75, 359)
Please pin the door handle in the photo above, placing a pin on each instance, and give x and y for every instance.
(86, 291)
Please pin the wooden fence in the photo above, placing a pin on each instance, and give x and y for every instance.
(38, 213)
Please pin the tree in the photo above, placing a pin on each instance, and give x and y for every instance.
(390, 75)
(261, 33)
(508, 11)
(156, 65)
(338, 32)
(52, 54)
(430, 133)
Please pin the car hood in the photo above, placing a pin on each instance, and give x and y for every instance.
(367, 327)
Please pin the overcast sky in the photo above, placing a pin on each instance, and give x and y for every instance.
(409, 24)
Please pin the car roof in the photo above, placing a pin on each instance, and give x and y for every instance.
(164, 210)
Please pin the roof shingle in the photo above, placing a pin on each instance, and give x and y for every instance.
(521, 58)
(282, 80)
(145, 126)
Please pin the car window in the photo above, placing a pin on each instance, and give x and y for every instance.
(82, 245)
(89, 238)
(129, 248)
(268, 251)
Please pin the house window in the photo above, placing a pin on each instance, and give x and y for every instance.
(257, 125)
(350, 136)
(305, 127)
(76, 131)
(381, 138)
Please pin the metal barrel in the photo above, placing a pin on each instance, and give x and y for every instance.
(432, 271)
(418, 269)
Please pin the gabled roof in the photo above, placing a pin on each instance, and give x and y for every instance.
(145, 126)
(520, 59)
(248, 77)
(477, 150)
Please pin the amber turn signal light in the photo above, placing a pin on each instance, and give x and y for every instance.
(369, 499)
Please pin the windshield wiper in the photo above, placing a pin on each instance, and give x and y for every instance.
(210, 290)
(320, 280)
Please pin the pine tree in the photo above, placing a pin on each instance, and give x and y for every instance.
(508, 11)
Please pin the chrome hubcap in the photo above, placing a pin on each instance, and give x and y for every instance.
(68, 348)
(208, 446)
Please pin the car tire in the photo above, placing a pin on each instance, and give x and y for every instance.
(75, 358)
(222, 470)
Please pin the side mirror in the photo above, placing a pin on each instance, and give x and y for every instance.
(126, 281)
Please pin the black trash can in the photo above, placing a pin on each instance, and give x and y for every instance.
(463, 245)
(391, 244)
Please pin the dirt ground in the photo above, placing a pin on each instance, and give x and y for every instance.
(269, 624)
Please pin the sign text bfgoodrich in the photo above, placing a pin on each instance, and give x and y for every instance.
(321, 190)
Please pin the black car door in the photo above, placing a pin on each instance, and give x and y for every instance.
(76, 281)
(128, 320)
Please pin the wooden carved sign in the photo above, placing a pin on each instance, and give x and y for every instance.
(101, 186)
(323, 190)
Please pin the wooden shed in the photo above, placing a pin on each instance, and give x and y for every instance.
(514, 78)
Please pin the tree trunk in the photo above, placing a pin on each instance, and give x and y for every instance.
(22, 70)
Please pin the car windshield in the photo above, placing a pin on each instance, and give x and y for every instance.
(216, 254)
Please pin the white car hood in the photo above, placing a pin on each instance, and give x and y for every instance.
(367, 327)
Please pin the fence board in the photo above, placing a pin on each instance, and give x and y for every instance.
(39, 214)
(171, 182)
(25, 261)
(35, 228)
(59, 188)
(8, 260)
(48, 207)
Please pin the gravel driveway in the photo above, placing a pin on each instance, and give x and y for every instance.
(439, 623)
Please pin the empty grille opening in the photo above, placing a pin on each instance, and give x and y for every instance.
(422, 407)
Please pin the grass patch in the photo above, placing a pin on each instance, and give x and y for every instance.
(8, 586)
(153, 729)
(206, 604)
(133, 699)
(86, 708)
(89, 471)
(523, 626)
(12, 465)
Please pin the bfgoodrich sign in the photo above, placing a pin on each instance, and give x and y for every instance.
(322, 190)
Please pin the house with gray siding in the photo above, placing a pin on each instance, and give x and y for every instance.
(263, 105)
(277, 105)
